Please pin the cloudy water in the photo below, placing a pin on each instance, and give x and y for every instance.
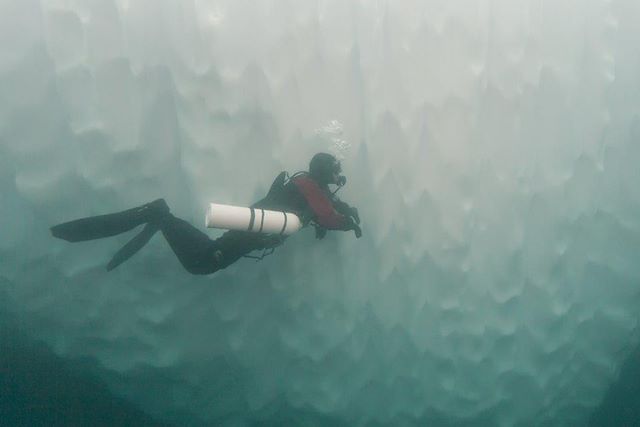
(490, 146)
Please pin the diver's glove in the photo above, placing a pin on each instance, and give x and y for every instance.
(352, 225)
(353, 213)
(357, 230)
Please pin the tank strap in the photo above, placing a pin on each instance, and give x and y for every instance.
(252, 220)
(284, 226)
(261, 221)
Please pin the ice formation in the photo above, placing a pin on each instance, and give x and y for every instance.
(493, 154)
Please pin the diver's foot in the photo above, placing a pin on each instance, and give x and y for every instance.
(155, 210)
(158, 205)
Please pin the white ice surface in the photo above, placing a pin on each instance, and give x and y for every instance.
(492, 148)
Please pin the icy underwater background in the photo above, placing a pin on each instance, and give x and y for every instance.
(491, 146)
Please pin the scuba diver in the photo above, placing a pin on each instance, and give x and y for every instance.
(305, 194)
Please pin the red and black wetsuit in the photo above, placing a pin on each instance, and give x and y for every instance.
(301, 195)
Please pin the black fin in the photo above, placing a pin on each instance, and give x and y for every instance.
(98, 227)
(133, 246)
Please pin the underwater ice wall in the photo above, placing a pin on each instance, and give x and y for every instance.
(492, 149)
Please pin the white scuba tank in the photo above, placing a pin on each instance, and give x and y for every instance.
(251, 219)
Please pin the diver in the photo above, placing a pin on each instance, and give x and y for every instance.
(307, 194)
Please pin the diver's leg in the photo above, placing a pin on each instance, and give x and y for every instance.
(234, 244)
(199, 254)
(109, 225)
(194, 249)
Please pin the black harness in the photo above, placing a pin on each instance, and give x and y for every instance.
(275, 199)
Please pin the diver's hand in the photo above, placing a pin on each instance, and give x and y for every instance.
(353, 213)
(351, 225)
(357, 230)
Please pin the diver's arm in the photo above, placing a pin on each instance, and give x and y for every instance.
(325, 213)
(351, 213)
(345, 209)
(340, 206)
